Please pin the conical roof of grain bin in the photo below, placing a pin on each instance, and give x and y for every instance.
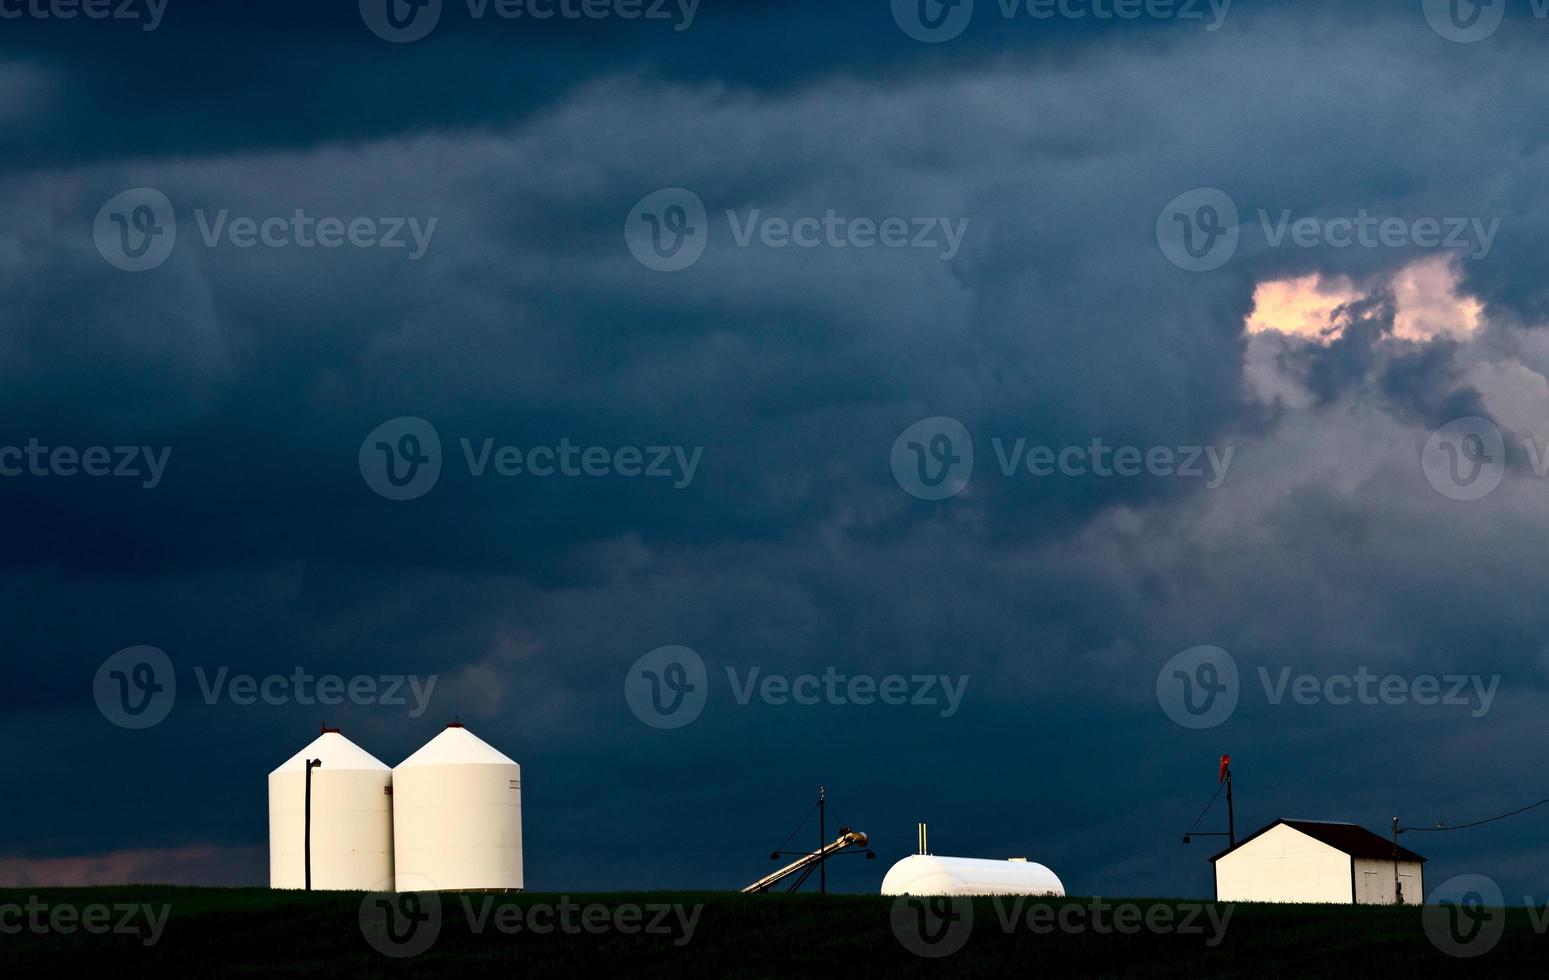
(352, 818)
(457, 816)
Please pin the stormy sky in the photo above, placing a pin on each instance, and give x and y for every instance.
(1372, 313)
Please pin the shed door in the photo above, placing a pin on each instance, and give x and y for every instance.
(1372, 890)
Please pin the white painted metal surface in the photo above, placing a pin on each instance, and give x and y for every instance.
(352, 818)
(1284, 865)
(928, 874)
(1374, 882)
(457, 816)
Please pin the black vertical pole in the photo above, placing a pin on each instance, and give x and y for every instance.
(311, 763)
(1398, 886)
(822, 843)
(1231, 815)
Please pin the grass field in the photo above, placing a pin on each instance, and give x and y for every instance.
(168, 931)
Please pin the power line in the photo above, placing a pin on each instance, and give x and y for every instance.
(804, 821)
(837, 817)
(1476, 823)
(1219, 787)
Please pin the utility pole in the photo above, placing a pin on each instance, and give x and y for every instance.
(311, 764)
(822, 841)
(1231, 814)
(1398, 886)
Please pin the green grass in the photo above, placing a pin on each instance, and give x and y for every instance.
(252, 932)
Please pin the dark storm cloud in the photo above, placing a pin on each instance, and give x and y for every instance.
(221, 75)
(1355, 329)
(527, 320)
(1426, 381)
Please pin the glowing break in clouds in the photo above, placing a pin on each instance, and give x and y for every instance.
(1426, 293)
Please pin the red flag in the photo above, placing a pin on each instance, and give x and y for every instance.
(1226, 763)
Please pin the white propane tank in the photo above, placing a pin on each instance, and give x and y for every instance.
(928, 874)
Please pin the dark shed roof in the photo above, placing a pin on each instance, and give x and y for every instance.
(1354, 840)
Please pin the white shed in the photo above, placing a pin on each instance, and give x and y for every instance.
(1318, 861)
(352, 818)
(457, 816)
(930, 874)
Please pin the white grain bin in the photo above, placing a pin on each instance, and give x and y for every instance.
(457, 816)
(928, 874)
(352, 818)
